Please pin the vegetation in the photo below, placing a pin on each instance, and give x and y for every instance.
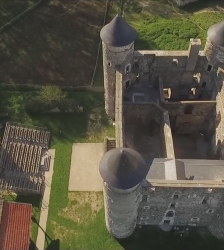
(89, 126)
(56, 43)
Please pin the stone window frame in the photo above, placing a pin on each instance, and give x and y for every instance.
(210, 211)
(147, 199)
(195, 219)
(170, 211)
(126, 67)
(146, 207)
(209, 67)
(176, 193)
(207, 199)
(175, 205)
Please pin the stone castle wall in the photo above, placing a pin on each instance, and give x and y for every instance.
(189, 206)
(218, 95)
(121, 210)
(114, 58)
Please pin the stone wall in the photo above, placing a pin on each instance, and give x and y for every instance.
(171, 65)
(114, 58)
(119, 110)
(199, 108)
(184, 2)
(218, 95)
(166, 139)
(121, 210)
(188, 203)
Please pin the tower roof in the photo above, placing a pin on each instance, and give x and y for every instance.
(216, 34)
(123, 168)
(118, 32)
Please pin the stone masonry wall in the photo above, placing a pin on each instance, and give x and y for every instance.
(162, 63)
(119, 110)
(218, 95)
(198, 108)
(114, 59)
(166, 139)
(121, 210)
(156, 202)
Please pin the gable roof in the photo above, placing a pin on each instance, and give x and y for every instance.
(15, 226)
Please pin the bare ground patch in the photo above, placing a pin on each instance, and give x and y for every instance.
(83, 206)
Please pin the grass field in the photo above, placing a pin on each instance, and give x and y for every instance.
(56, 43)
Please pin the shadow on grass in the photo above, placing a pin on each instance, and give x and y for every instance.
(143, 44)
(150, 237)
(201, 4)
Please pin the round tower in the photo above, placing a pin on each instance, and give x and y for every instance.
(118, 52)
(122, 171)
(214, 47)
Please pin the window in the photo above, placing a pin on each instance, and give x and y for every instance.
(127, 84)
(172, 205)
(166, 222)
(195, 219)
(109, 64)
(203, 85)
(176, 196)
(144, 198)
(146, 207)
(205, 200)
(209, 68)
(170, 214)
(210, 211)
(127, 69)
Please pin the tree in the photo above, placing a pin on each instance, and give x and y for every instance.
(51, 96)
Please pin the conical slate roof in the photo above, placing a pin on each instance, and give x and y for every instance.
(216, 34)
(118, 32)
(123, 168)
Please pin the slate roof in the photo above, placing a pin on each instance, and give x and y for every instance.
(216, 34)
(123, 168)
(15, 226)
(118, 32)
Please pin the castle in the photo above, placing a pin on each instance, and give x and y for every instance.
(168, 165)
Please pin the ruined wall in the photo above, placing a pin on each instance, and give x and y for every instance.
(163, 63)
(218, 95)
(156, 202)
(166, 139)
(184, 2)
(114, 58)
(144, 112)
(121, 210)
(199, 108)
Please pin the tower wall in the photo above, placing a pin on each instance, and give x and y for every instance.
(112, 58)
(121, 209)
(214, 54)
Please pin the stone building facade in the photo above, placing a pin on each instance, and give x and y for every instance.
(169, 133)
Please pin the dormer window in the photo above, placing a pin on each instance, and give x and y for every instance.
(128, 69)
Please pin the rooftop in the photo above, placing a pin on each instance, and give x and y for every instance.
(118, 32)
(15, 226)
